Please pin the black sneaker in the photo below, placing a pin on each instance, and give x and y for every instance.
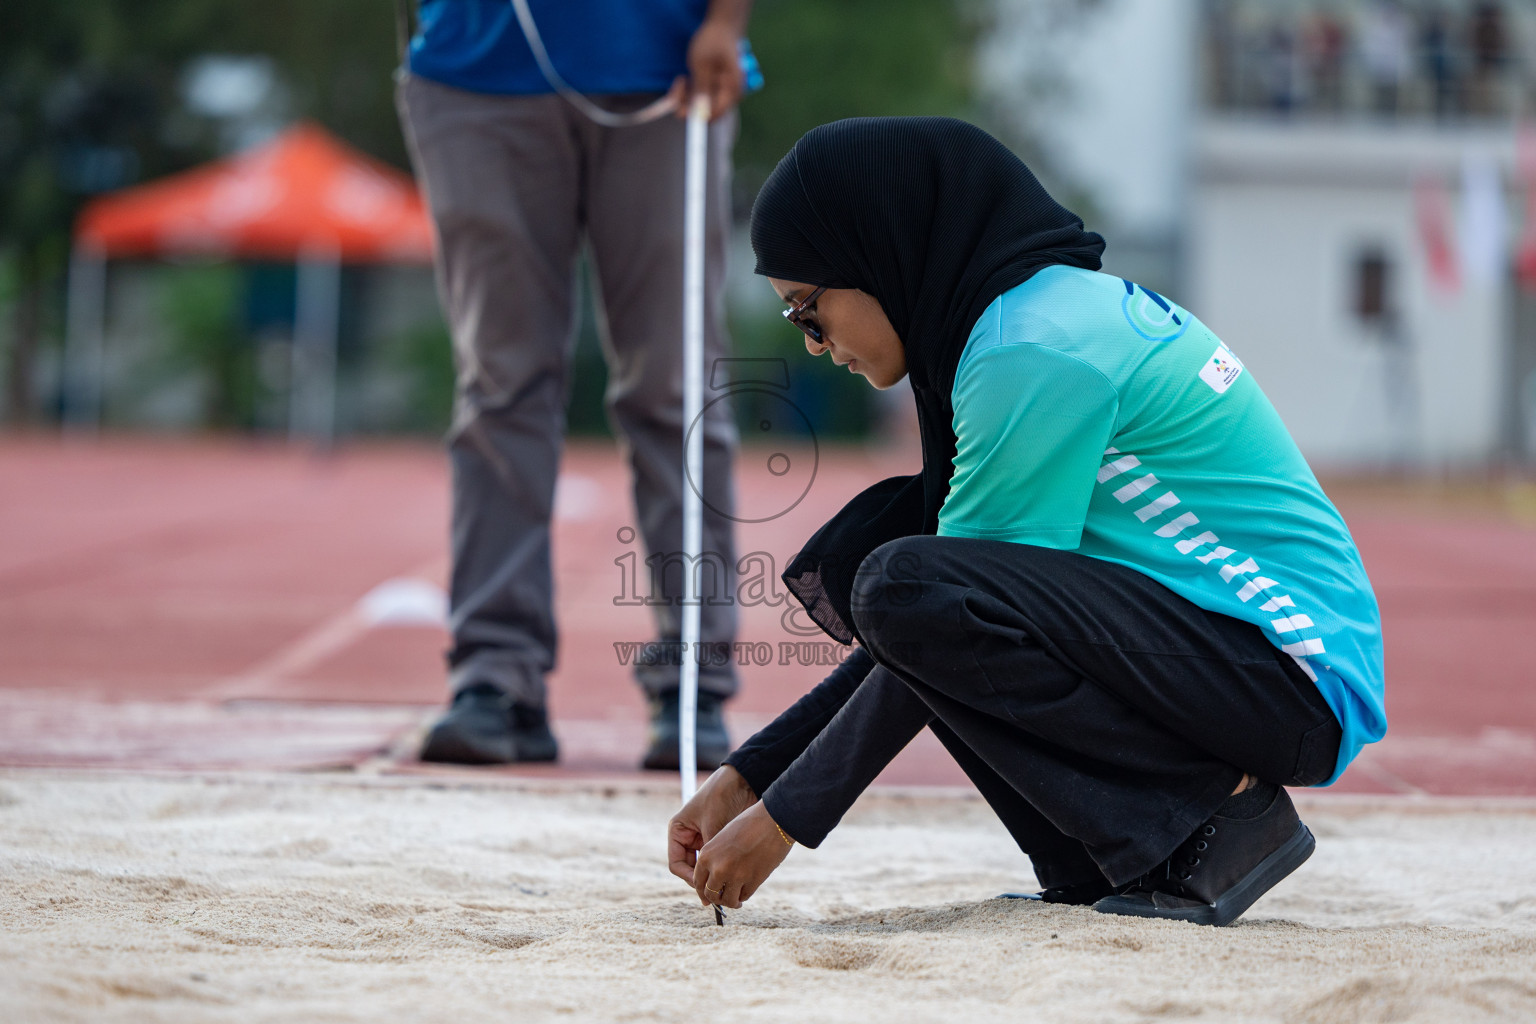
(484, 726)
(1220, 871)
(1083, 894)
(714, 744)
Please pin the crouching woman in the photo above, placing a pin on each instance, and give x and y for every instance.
(1115, 592)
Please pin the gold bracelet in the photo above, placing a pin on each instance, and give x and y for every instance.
(787, 841)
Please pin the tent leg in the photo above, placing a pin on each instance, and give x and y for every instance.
(312, 388)
(82, 382)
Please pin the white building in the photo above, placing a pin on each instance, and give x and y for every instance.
(1310, 248)
(1336, 191)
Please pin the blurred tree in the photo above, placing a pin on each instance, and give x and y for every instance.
(855, 58)
(90, 100)
(821, 62)
(75, 105)
(421, 356)
(337, 59)
(201, 307)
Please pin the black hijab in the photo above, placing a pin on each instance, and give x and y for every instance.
(935, 219)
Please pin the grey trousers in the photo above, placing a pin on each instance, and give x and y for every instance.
(516, 185)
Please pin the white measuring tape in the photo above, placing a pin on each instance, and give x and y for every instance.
(693, 427)
(607, 118)
(694, 192)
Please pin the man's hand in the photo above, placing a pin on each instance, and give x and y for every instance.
(724, 795)
(740, 858)
(714, 65)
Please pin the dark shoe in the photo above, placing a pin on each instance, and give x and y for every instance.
(1083, 894)
(1220, 871)
(484, 726)
(709, 730)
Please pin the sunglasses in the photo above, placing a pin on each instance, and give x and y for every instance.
(800, 315)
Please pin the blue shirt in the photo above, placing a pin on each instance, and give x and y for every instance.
(1094, 415)
(602, 47)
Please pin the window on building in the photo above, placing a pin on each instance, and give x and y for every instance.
(1373, 286)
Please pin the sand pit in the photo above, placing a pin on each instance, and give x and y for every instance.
(324, 898)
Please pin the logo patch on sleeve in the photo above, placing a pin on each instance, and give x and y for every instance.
(1221, 369)
(1152, 316)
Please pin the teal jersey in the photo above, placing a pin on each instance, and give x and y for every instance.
(1094, 415)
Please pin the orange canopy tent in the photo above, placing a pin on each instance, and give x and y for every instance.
(302, 192)
(303, 196)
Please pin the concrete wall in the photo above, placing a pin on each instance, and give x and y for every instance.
(1279, 215)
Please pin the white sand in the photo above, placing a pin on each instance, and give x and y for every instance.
(326, 898)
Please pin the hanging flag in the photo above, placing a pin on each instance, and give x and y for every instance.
(1432, 208)
(1525, 261)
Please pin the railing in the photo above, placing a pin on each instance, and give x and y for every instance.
(1425, 60)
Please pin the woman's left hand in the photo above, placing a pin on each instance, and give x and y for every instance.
(739, 858)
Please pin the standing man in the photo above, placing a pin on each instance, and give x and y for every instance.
(518, 179)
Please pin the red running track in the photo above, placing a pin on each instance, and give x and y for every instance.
(201, 605)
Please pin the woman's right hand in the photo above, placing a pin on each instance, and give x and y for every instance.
(724, 795)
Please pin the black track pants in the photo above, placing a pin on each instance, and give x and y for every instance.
(1100, 714)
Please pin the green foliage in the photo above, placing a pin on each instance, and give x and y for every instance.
(423, 357)
(93, 84)
(852, 58)
(338, 58)
(90, 100)
(824, 61)
(200, 306)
